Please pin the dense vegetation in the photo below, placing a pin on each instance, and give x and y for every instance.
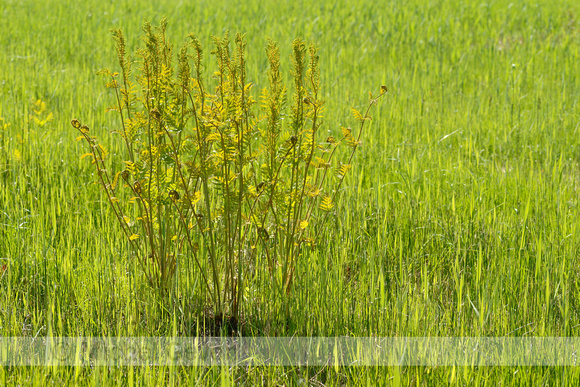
(459, 216)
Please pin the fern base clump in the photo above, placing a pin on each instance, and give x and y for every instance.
(213, 176)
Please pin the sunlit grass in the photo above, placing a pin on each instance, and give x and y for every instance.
(460, 217)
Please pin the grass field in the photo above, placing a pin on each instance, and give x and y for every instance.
(460, 216)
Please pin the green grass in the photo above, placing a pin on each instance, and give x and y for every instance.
(460, 217)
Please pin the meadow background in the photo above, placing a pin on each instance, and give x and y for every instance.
(460, 216)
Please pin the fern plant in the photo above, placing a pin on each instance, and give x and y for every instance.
(213, 175)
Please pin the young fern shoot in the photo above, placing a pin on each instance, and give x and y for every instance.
(209, 176)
